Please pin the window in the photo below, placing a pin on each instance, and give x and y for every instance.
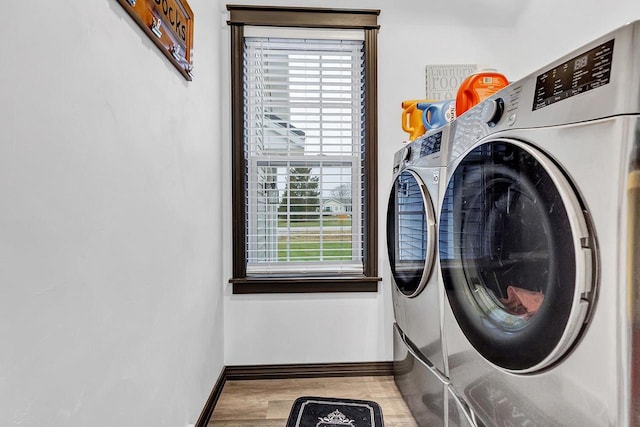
(304, 149)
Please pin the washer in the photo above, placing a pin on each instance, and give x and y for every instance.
(418, 297)
(539, 244)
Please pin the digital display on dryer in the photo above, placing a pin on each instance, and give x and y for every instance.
(430, 144)
(586, 71)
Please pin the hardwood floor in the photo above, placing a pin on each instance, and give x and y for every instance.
(266, 403)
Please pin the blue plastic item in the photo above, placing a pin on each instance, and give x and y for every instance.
(437, 114)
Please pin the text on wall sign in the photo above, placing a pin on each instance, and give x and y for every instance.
(169, 23)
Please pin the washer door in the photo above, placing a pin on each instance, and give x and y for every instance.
(515, 256)
(410, 233)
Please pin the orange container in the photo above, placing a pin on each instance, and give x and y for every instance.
(412, 118)
(478, 87)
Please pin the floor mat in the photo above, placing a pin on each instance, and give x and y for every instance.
(312, 411)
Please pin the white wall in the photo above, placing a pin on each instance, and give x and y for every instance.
(549, 29)
(110, 219)
(325, 328)
(514, 37)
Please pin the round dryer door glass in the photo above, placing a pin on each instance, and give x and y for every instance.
(410, 233)
(511, 256)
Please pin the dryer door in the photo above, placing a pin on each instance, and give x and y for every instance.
(516, 255)
(410, 233)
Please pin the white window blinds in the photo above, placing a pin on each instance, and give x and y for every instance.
(304, 142)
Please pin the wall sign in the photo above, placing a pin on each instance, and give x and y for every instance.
(169, 23)
(443, 81)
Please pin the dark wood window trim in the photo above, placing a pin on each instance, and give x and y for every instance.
(240, 16)
(258, 285)
(303, 17)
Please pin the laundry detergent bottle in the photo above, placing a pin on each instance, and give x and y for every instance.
(412, 118)
(478, 87)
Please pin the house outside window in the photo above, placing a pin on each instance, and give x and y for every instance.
(304, 149)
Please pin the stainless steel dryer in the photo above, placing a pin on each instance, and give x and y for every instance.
(414, 204)
(540, 244)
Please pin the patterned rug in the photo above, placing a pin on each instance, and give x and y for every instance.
(312, 411)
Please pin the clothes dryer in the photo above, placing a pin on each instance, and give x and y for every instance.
(414, 204)
(539, 243)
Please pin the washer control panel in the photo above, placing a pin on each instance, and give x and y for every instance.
(587, 71)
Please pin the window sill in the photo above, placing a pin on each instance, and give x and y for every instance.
(289, 285)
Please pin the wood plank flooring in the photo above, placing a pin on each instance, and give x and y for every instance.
(266, 403)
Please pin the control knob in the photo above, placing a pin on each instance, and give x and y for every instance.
(406, 156)
(494, 112)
